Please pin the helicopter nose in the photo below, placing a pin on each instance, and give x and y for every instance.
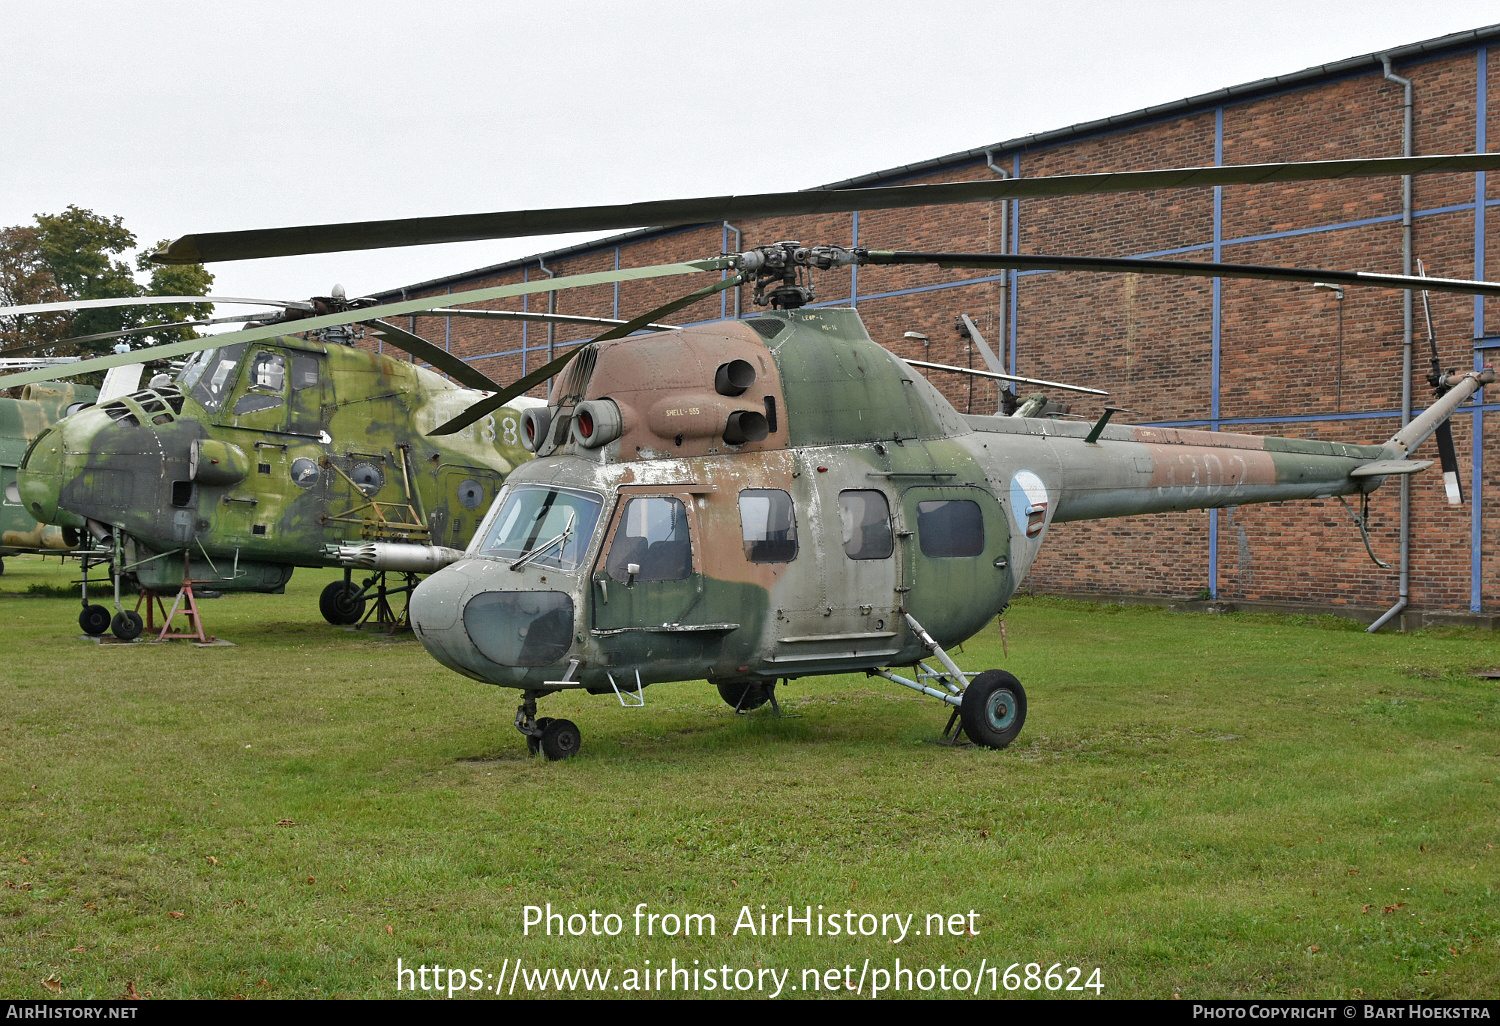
(495, 634)
(39, 477)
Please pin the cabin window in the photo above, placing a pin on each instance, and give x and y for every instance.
(304, 472)
(304, 372)
(254, 402)
(653, 535)
(865, 517)
(950, 527)
(768, 525)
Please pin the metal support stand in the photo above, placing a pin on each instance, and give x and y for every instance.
(154, 605)
(382, 612)
(188, 606)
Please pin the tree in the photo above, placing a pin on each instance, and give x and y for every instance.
(73, 255)
(26, 278)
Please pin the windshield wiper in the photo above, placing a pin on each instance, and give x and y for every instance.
(567, 532)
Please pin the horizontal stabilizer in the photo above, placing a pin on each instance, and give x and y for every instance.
(1387, 468)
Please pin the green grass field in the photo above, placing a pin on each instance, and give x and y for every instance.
(1204, 806)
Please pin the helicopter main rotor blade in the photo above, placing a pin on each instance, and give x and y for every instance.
(1188, 268)
(91, 340)
(422, 231)
(101, 304)
(541, 374)
(440, 358)
(533, 315)
(400, 309)
(1006, 377)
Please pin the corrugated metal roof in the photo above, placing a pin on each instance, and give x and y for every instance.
(1249, 90)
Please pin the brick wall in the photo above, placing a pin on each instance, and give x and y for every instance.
(1149, 340)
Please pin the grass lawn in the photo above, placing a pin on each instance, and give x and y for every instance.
(1210, 806)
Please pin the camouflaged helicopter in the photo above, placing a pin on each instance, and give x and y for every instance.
(259, 457)
(764, 499)
(21, 420)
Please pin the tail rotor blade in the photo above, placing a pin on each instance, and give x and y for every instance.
(1449, 457)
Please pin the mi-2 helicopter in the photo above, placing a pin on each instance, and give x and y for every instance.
(760, 500)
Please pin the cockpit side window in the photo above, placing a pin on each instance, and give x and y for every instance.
(268, 372)
(529, 517)
(215, 376)
(653, 536)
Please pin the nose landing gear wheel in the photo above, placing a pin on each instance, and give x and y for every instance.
(993, 709)
(341, 604)
(534, 741)
(127, 625)
(560, 740)
(94, 620)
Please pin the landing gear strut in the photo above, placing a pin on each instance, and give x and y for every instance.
(343, 602)
(990, 708)
(556, 739)
(93, 619)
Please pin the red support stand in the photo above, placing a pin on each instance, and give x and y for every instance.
(154, 607)
(187, 605)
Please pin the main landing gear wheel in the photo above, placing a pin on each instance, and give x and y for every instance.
(993, 709)
(534, 741)
(341, 604)
(744, 696)
(560, 739)
(127, 624)
(94, 620)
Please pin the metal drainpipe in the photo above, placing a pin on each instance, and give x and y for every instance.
(739, 244)
(1406, 350)
(551, 326)
(1001, 344)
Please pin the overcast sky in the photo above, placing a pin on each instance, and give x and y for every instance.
(195, 116)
